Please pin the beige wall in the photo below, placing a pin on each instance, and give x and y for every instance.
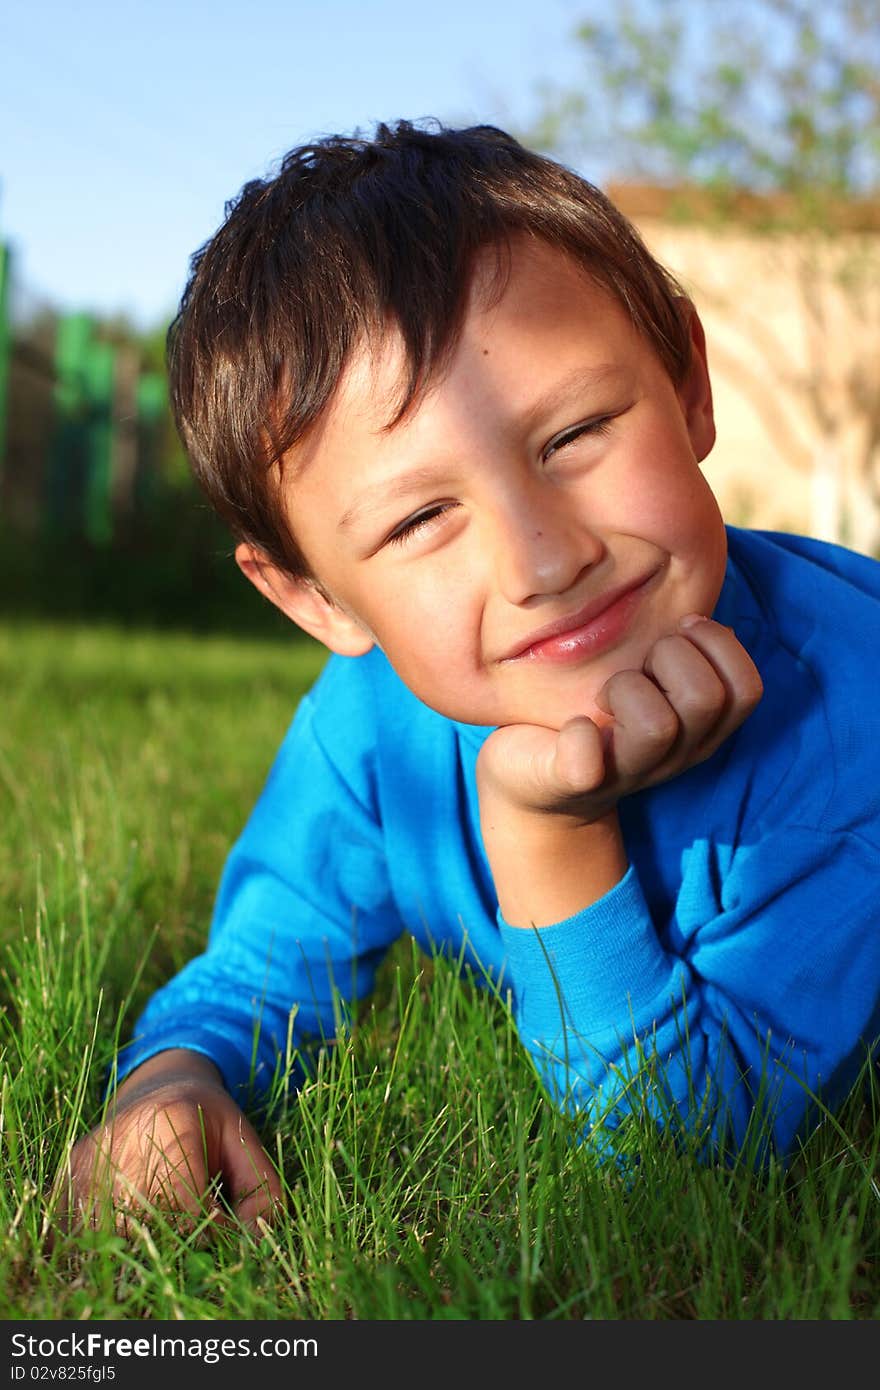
(786, 346)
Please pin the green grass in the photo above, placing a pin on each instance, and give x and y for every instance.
(426, 1175)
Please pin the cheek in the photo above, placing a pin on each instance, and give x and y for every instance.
(675, 507)
(698, 542)
(426, 619)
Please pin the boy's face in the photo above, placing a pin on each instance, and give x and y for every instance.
(538, 521)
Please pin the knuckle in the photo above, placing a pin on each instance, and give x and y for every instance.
(616, 680)
(661, 727)
(664, 649)
(579, 763)
(575, 779)
(706, 702)
(753, 690)
(623, 683)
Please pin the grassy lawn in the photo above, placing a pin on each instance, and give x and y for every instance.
(426, 1175)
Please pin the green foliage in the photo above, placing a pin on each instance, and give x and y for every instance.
(425, 1173)
(776, 96)
(181, 577)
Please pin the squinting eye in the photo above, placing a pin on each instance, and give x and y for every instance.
(591, 427)
(422, 521)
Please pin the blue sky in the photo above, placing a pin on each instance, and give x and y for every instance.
(125, 127)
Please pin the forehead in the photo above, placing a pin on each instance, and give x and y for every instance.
(516, 292)
(533, 320)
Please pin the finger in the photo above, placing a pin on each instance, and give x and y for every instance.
(578, 764)
(92, 1189)
(86, 1186)
(83, 1186)
(734, 667)
(262, 1205)
(692, 686)
(645, 724)
(252, 1182)
(527, 764)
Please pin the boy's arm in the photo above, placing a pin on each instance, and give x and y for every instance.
(548, 799)
(304, 910)
(298, 927)
(770, 1004)
(596, 974)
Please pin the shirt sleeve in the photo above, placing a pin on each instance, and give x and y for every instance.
(764, 1012)
(303, 916)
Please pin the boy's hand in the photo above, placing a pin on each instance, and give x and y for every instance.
(548, 797)
(174, 1131)
(696, 687)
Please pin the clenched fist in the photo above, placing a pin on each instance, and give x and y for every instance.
(174, 1136)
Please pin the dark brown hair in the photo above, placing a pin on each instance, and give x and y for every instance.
(351, 236)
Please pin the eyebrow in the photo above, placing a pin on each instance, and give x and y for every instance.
(415, 480)
(577, 380)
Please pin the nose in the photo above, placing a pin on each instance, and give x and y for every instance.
(540, 546)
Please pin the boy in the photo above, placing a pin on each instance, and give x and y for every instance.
(454, 413)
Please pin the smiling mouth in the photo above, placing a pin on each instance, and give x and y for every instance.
(592, 629)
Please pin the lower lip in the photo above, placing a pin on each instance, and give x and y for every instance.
(600, 633)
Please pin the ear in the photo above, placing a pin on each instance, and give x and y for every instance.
(695, 392)
(305, 603)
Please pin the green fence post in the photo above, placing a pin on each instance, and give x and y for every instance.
(68, 461)
(152, 404)
(98, 512)
(5, 347)
(79, 500)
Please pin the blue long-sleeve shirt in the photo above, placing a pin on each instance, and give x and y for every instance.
(742, 946)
